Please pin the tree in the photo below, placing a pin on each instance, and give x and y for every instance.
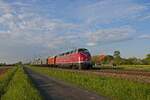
(116, 54)
(95, 59)
(2, 64)
(132, 61)
(147, 59)
(19, 63)
(108, 59)
(117, 58)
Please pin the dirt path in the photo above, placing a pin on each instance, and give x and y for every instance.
(53, 89)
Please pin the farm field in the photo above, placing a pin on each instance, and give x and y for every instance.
(114, 88)
(15, 85)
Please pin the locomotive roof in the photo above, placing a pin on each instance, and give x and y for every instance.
(72, 51)
(81, 49)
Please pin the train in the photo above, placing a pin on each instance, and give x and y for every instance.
(76, 59)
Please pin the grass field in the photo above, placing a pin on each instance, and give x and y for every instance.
(114, 88)
(21, 88)
(5, 80)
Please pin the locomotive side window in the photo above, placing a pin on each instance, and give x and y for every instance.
(61, 54)
(71, 52)
(76, 51)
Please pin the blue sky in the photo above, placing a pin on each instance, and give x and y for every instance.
(40, 28)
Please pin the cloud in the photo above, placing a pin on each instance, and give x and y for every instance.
(31, 33)
(20, 4)
(107, 11)
(30, 27)
(91, 44)
(4, 7)
(33, 29)
(110, 35)
(146, 17)
(145, 36)
(24, 25)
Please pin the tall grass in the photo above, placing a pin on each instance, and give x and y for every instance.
(114, 88)
(21, 88)
(5, 80)
(136, 67)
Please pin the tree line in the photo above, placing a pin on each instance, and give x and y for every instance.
(116, 59)
(2, 64)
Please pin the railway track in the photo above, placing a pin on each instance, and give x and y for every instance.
(133, 75)
(111, 71)
(128, 72)
(140, 76)
(114, 71)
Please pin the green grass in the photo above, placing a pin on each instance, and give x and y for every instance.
(5, 80)
(136, 67)
(21, 88)
(114, 88)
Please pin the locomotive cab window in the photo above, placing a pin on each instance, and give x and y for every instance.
(71, 52)
(67, 53)
(82, 50)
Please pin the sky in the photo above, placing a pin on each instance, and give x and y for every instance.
(42, 28)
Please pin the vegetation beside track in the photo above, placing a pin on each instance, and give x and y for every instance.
(21, 88)
(115, 88)
(124, 67)
(2, 72)
(5, 80)
(136, 67)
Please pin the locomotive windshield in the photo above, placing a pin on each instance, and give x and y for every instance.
(83, 50)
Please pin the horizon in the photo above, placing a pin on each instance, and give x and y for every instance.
(42, 28)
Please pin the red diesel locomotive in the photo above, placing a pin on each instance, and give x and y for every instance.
(78, 58)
